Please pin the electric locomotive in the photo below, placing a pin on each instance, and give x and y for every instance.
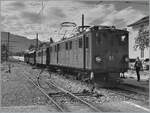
(102, 50)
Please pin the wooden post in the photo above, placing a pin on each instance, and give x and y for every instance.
(84, 49)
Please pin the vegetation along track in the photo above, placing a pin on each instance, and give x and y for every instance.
(66, 101)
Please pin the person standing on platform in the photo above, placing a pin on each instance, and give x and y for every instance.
(138, 67)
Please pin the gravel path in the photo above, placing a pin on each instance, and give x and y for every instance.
(18, 93)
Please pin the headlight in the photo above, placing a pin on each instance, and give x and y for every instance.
(98, 59)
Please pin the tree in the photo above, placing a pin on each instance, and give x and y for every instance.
(142, 41)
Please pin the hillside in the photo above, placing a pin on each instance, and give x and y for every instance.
(17, 43)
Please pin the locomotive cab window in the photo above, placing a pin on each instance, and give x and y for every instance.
(122, 40)
(99, 38)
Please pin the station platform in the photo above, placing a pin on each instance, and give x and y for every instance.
(131, 80)
(123, 106)
(142, 84)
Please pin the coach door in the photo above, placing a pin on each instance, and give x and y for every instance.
(47, 56)
(58, 53)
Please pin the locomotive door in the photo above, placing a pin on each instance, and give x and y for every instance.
(112, 61)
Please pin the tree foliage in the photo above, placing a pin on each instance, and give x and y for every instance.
(142, 40)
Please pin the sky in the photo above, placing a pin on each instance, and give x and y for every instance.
(27, 18)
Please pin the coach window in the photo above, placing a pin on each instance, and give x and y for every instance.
(87, 42)
(66, 46)
(58, 47)
(70, 44)
(80, 43)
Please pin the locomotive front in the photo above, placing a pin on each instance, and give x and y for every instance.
(110, 51)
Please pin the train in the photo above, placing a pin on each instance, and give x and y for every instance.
(102, 50)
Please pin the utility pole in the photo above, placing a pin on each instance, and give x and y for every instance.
(9, 66)
(82, 22)
(7, 46)
(37, 45)
(84, 51)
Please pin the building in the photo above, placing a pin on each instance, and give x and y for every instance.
(142, 26)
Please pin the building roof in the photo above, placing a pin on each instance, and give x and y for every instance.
(143, 20)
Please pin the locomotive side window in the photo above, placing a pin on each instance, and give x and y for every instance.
(50, 49)
(87, 42)
(80, 43)
(66, 46)
(70, 44)
(98, 38)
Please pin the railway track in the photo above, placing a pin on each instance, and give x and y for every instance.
(129, 93)
(66, 101)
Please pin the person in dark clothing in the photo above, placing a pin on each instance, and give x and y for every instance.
(138, 66)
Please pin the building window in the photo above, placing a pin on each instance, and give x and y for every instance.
(80, 43)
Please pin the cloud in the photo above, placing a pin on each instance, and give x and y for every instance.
(17, 5)
(108, 15)
(31, 17)
(55, 14)
(98, 14)
(24, 17)
(89, 2)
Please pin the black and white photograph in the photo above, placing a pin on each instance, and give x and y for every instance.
(74, 56)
